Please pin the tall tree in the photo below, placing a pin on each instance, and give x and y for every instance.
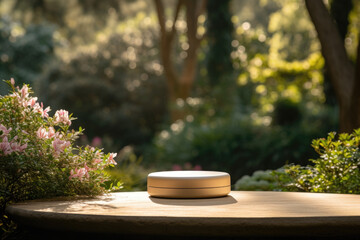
(219, 36)
(219, 63)
(180, 83)
(345, 76)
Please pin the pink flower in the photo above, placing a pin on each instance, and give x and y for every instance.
(51, 132)
(8, 147)
(96, 161)
(87, 168)
(111, 158)
(62, 116)
(60, 145)
(4, 130)
(44, 113)
(15, 146)
(96, 142)
(58, 135)
(23, 147)
(79, 173)
(37, 107)
(32, 101)
(24, 91)
(176, 167)
(12, 81)
(40, 109)
(5, 146)
(197, 167)
(42, 133)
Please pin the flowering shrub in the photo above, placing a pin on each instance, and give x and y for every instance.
(38, 156)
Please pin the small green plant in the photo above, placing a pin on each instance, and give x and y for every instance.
(38, 157)
(336, 171)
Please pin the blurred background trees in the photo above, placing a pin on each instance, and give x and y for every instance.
(180, 81)
(228, 85)
(25, 51)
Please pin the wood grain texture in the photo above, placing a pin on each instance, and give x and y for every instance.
(238, 214)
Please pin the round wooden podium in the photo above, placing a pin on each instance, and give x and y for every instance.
(188, 184)
(239, 215)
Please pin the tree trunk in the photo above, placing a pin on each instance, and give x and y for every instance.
(179, 83)
(339, 11)
(342, 71)
(355, 100)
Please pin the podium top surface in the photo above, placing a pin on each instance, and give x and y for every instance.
(240, 213)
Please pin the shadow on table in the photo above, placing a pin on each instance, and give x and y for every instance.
(195, 202)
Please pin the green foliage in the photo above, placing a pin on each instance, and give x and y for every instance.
(258, 181)
(268, 59)
(115, 86)
(24, 51)
(38, 158)
(79, 22)
(239, 145)
(336, 171)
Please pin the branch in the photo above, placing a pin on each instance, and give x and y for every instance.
(161, 15)
(191, 21)
(178, 7)
(190, 62)
(166, 41)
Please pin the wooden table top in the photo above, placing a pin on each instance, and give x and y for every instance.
(241, 213)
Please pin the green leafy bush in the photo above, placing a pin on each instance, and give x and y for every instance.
(336, 171)
(239, 145)
(38, 157)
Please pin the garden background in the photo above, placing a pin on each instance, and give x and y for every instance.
(235, 86)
